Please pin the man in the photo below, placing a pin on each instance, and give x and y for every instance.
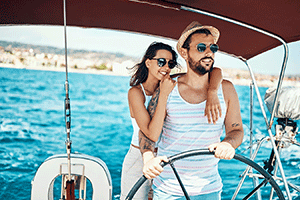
(186, 127)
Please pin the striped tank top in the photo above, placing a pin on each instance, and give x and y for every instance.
(186, 128)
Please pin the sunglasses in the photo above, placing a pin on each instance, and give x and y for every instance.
(162, 62)
(201, 47)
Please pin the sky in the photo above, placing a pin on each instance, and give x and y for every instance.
(133, 44)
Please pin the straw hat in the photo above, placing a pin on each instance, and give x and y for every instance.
(192, 27)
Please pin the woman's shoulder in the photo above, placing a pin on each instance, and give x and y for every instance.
(135, 91)
(135, 88)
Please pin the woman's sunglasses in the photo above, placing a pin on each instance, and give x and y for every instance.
(162, 62)
(201, 47)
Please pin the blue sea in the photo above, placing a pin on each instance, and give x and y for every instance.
(32, 128)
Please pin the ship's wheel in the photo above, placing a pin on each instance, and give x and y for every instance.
(266, 177)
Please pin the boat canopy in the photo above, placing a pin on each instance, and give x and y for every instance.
(169, 18)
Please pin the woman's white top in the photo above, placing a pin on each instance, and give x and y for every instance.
(135, 136)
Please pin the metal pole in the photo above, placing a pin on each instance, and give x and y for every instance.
(255, 179)
(270, 133)
(65, 36)
(251, 118)
(67, 100)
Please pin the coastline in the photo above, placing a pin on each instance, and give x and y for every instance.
(235, 81)
(62, 69)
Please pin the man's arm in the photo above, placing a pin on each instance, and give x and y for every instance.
(233, 120)
(233, 125)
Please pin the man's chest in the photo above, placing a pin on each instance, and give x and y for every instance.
(193, 96)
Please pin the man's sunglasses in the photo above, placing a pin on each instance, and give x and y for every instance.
(201, 47)
(162, 62)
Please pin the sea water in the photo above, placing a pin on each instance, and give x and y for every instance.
(32, 128)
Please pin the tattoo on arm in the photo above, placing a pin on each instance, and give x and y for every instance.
(145, 143)
(235, 124)
(153, 103)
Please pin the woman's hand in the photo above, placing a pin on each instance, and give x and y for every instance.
(213, 107)
(166, 85)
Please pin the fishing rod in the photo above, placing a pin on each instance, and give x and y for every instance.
(70, 188)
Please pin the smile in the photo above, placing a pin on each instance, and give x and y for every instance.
(163, 73)
(207, 60)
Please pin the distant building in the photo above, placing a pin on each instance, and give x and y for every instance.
(122, 68)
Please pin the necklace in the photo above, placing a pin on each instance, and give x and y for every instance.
(150, 93)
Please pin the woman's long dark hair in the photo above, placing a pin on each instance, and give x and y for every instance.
(140, 70)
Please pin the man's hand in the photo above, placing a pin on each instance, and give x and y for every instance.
(223, 150)
(213, 107)
(152, 168)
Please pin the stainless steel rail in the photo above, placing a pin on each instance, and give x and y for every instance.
(67, 100)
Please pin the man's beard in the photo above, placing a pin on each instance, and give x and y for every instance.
(198, 68)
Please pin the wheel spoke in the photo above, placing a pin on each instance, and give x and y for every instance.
(180, 182)
(255, 189)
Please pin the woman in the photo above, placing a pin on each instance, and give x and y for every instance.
(153, 72)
